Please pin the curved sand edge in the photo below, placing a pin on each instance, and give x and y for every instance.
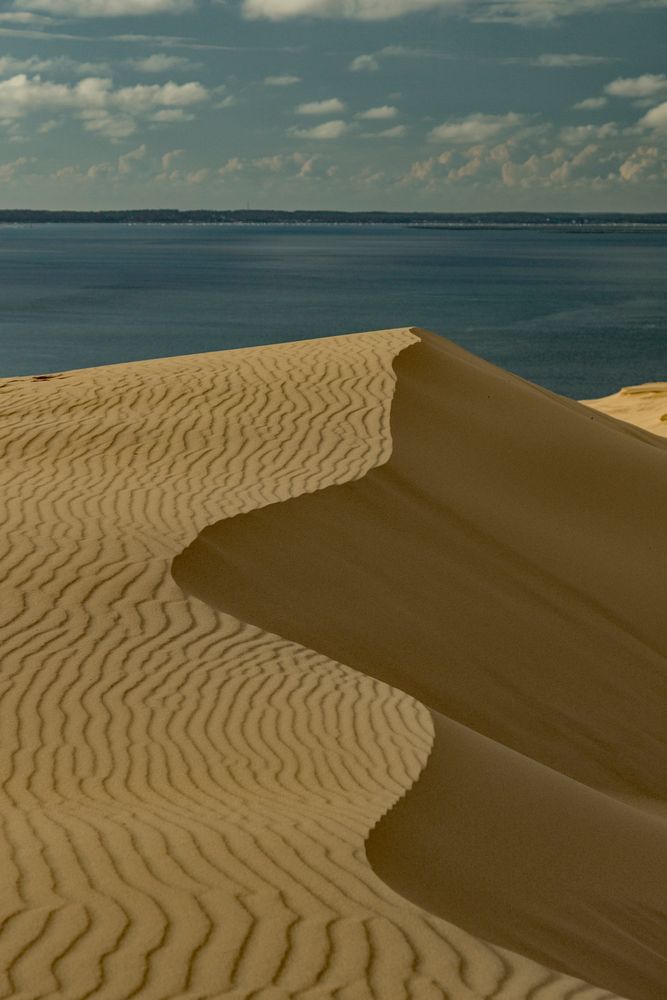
(184, 799)
(530, 583)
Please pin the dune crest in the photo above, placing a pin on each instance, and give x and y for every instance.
(185, 799)
(504, 567)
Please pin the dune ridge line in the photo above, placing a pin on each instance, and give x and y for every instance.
(504, 568)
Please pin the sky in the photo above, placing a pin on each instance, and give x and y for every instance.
(439, 105)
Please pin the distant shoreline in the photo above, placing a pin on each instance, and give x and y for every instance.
(558, 221)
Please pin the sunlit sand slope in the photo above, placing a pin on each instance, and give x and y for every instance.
(644, 405)
(508, 567)
(185, 799)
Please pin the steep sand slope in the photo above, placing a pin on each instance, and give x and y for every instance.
(184, 799)
(507, 567)
(643, 405)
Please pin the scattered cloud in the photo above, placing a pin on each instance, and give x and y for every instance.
(332, 106)
(575, 134)
(410, 52)
(358, 10)
(395, 132)
(522, 12)
(381, 113)
(167, 116)
(567, 60)
(8, 170)
(23, 17)
(160, 62)
(197, 176)
(291, 165)
(127, 161)
(647, 85)
(169, 157)
(656, 118)
(475, 127)
(545, 12)
(590, 104)
(364, 64)
(105, 8)
(286, 80)
(101, 108)
(232, 166)
(11, 66)
(327, 130)
(639, 163)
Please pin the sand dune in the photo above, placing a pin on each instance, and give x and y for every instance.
(186, 799)
(507, 567)
(644, 405)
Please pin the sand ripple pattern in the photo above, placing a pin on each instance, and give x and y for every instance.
(184, 799)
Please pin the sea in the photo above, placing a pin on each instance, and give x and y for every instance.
(581, 313)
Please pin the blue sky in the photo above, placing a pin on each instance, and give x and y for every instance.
(450, 105)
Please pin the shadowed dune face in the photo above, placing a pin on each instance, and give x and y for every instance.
(507, 567)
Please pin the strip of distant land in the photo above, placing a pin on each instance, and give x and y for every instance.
(567, 221)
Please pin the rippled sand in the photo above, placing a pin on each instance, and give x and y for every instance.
(186, 799)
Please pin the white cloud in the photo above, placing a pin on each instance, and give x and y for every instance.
(114, 127)
(647, 85)
(590, 104)
(567, 60)
(232, 166)
(358, 10)
(10, 66)
(327, 130)
(545, 12)
(286, 80)
(169, 157)
(298, 164)
(330, 107)
(30, 64)
(48, 126)
(142, 98)
(575, 134)
(102, 109)
(197, 176)
(381, 113)
(364, 64)
(105, 8)
(271, 164)
(18, 17)
(636, 165)
(160, 62)
(167, 116)
(396, 132)
(98, 170)
(516, 11)
(656, 118)
(408, 52)
(127, 161)
(8, 170)
(475, 127)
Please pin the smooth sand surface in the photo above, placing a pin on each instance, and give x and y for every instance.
(186, 799)
(508, 567)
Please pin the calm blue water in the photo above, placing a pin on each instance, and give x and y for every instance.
(578, 313)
